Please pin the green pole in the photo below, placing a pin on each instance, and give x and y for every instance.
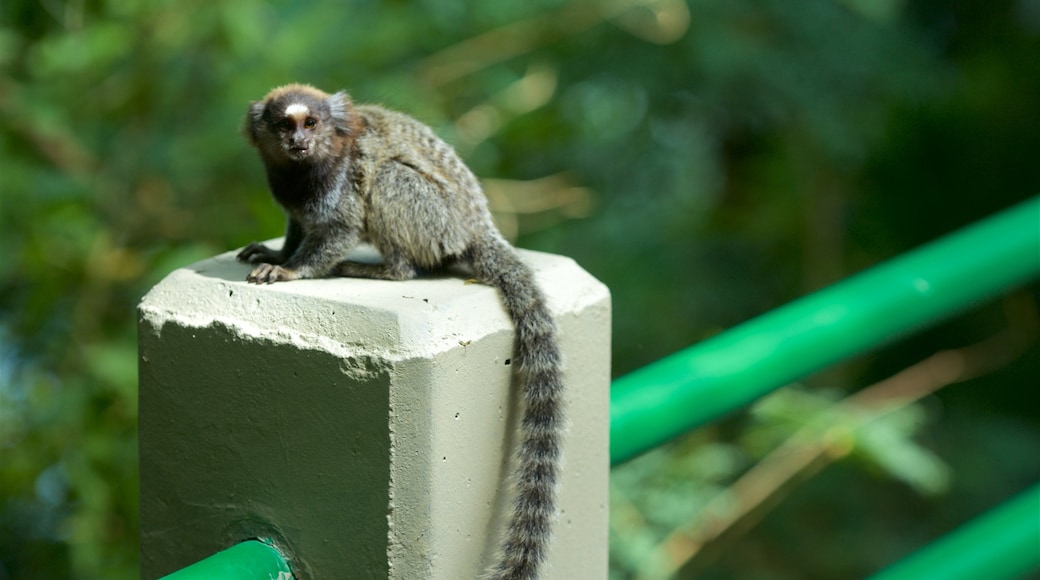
(251, 560)
(999, 545)
(691, 387)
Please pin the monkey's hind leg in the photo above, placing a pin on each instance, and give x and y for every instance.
(394, 267)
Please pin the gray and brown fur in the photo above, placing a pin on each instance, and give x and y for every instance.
(346, 174)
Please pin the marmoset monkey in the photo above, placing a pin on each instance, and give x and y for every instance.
(348, 173)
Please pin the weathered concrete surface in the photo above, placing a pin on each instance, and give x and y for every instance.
(363, 424)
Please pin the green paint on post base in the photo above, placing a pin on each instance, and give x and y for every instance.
(252, 560)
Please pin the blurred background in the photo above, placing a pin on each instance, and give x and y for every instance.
(709, 160)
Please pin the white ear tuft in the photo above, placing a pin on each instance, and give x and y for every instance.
(339, 105)
(254, 116)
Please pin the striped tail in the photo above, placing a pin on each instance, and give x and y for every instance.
(539, 369)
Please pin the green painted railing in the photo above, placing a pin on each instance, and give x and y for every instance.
(691, 387)
(680, 392)
(1003, 543)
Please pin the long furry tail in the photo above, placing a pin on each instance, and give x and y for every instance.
(539, 367)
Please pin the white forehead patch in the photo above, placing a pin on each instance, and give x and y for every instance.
(296, 109)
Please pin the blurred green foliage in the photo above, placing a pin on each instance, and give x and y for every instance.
(708, 160)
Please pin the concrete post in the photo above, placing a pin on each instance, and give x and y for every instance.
(363, 425)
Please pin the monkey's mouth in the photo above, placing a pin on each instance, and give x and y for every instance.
(300, 150)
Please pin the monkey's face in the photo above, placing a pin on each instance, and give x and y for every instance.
(293, 126)
(299, 127)
(297, 132)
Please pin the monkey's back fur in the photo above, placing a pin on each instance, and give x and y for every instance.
(346, 174)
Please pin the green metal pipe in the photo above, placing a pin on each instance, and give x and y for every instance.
(691, 387)
(251, 560)
(1001, 544)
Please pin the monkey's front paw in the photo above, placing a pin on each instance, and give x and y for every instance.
(256, 252)
(270, 273)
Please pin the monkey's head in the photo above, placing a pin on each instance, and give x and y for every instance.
(299, 124)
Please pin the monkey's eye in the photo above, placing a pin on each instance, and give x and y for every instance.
(310, 123)
(286, 125)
